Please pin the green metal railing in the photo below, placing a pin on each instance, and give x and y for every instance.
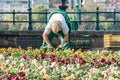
(30, 21)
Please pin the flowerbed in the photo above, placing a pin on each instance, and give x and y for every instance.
(34, 64)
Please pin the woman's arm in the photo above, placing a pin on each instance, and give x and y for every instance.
(45, 38)
(65, 39)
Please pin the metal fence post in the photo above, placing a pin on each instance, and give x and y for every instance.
(13, 17)
(97, 19)
(29, 16)
(114, 16)
(77, 10)
(46, 13)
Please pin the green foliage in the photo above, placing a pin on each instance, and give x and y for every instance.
(91, 6)
(38, 8)
(23, 17)
(18, 17)
(38, 17)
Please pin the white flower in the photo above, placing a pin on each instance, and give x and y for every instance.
(14, 62)
(53, 64)
(78, 65)
(93, 70)
(72, 76)
(111, 78)
(34, 61)
(44, 63)
(22, 60)
(43, 71)
(22, 65)
(7, 61)
(1, 56)
(40, 67)
(63, 68)
(98, 51)
(113, 69)
(69, 67)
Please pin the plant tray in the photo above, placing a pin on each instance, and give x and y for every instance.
(111, 40)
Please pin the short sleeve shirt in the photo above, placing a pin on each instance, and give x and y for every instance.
(58, 17)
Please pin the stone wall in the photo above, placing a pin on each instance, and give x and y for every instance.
(29, 38)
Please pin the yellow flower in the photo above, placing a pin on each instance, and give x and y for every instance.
(110, 55)
(89, 52)
(61, 51)
(57, 65)
(29, 47)
(46, 76)
(43, 71)
(78, 51)
(69, 78)
(107, 72)
(36, 51)
(2, 49)
(83, 56)
(3, 64)
(117, 74)
(22, 66)
(69, 51)
(3, 70)
(63, 74)
(20, 48)
(100, 78)
(10, 49)
(101, 54)
(7, 71)
(95, 55)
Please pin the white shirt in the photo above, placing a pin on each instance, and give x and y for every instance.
(58, 17)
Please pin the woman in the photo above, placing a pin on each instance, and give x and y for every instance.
(58, 23)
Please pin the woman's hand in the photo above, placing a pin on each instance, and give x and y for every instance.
(49, 46)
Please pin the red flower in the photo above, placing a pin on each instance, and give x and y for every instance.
(53, 59)
(3, 76)
(13, 77)
(109, 62)
(103, 60)
(22, 74)
(24, 79)
(24, 56)
(68, 59)
(43, 55)
(37, 57)
(96, 63)
(9, 54)
(59, 60)
(52, 55)
(115, 60)
(79, 59)
(9, 77)
(63, 61)
(82, 62)
(75, 56)
(93, 60)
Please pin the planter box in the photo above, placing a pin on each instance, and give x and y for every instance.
(81, 41)
(111, 40)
